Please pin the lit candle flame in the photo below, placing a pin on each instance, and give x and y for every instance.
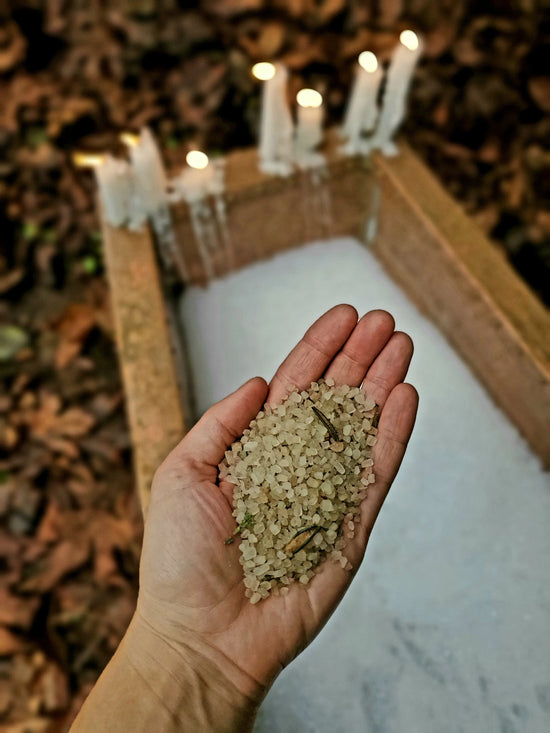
(309, 98)
(130, 139)
(264, 71)
(197, 159)
(409, 39)
(368, 61)
(88, 160)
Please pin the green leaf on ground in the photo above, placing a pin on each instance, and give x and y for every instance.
(30, 230)
(12, 340)
(90, 265)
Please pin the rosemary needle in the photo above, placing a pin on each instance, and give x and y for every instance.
(247, 523)
(326, 422)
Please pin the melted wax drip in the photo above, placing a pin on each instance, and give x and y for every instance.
(317, 200)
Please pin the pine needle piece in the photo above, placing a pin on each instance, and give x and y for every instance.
(323, 419)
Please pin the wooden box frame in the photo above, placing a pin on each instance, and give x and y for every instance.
(419, 233)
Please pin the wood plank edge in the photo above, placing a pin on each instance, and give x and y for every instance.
(527, 362)
(153, 404)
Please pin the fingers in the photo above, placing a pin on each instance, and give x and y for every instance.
(396, 424)
(309, 359)
(221, 425)
(367, 340)
(395, 427)
(389, 368)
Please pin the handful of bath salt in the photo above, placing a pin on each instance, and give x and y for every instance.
(300, 471)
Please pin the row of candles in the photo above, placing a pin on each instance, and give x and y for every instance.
(365, 128)
(132, 192)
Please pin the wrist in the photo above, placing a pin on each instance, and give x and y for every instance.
(152, 683)
(194, 682)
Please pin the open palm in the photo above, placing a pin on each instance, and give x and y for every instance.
(191, 588)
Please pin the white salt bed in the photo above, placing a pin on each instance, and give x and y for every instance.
(446, 626)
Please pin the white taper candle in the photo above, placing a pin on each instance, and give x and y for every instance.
(276, 128)
(309, 131)
(404, 60)
(149, 172)
(362, 109)
(114, 178)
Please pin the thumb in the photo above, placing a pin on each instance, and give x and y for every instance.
(224, 422)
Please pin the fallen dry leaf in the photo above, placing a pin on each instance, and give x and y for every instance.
(229, 8)
(32, 725)
(10, 279)
(52, 690)
(262, 40)
(7, 489)
(10, 643)
(42, 420)
(65, 447)
(73, 327)
(74, 423)
(6, 697)
(539, 89)
(108, 534)
(9, 437)
(51, 524)
(103, 404)
(65, 557)
(12, 46)
(56, 429)
(44, 156)
(17, 611)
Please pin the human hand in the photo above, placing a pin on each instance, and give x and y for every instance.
(191, 589)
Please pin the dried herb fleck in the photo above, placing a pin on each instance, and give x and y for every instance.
(247, 523)
(301, 539)
(323, 419)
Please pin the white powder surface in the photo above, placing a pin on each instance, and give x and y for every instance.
(446, 626)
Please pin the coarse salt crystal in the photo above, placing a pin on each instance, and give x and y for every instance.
(290, 475)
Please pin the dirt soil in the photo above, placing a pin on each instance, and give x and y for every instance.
(73, 75)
